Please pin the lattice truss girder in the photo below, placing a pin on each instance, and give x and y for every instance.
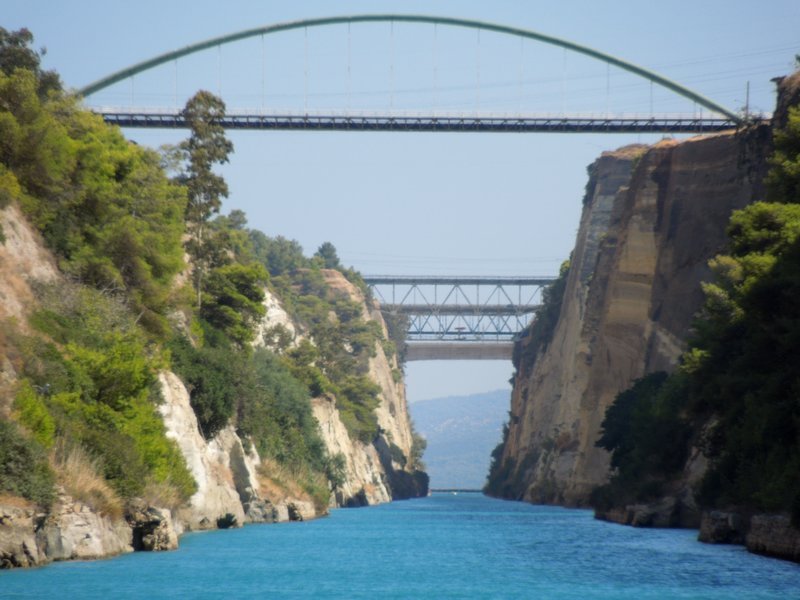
(470, 308)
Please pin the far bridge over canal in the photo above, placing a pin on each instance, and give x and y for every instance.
(460, 318)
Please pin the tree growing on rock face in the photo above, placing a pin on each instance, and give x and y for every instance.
(207, 146)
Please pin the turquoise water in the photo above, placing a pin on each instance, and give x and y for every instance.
(445, 546)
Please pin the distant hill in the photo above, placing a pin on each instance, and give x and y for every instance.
(461, 431)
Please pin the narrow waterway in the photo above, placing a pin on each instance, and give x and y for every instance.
(444, 546)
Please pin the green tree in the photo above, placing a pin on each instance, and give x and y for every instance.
(233, 300)
(16, 53)
(784, 178)
(279, 255)
(330, 259)
(207, 146)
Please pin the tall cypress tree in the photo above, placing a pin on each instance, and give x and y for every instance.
(207, 146)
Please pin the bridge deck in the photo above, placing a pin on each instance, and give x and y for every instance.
(454, 280)
(435, 122)
(461, 309)
(459, 351)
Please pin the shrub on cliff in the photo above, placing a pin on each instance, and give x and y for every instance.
(24, 469)
(540, 332)
(279, 419)
(233, 300)
(646, 431)
(89, 379)
(210, 375)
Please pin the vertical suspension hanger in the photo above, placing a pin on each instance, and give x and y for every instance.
(263, 74)
(478, 72)
(175, 84)
(563, 82)
(305, 69)
(219, 70)
(391, 65)
(608, 87)
(521, 73)
(348, 66)
(435, 67)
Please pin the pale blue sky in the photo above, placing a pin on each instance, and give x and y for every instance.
(401, 203)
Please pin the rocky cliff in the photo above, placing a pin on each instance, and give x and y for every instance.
(234, 485)
(372, 472)
(652, 218)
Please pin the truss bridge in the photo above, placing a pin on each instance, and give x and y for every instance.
(460, 318)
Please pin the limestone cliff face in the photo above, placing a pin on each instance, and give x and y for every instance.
(228, 483)
(652, 219)
(372, 475)
(233, 483)
(365, 480)
(231, 488)
(23, 263)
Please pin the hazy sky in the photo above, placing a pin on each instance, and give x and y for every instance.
(410, 203)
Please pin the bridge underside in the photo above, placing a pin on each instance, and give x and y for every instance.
(433, 123)
(459, 351)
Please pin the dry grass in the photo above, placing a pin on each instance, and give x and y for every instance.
(162, 495)
(278, 483)
(15, 501)
(281, 485)
(79, 474)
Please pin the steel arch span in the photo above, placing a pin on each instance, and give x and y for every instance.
(400, 18)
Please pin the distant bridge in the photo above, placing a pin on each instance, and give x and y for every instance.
(460, 318)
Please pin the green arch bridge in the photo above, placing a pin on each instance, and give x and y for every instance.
(717, 118)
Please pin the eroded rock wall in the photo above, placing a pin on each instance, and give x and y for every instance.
(652, 219)
(372, 470)
(231, 478)
(365, 481)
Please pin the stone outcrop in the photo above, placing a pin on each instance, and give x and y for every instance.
(652, 219)
(151, 527)
(767, 534)
(70, 530)
(230, 490)
(372, 474)
(230, 476)
(773, 535)
(18, 544)
(23, 261)
(216, 495)
(720, 527)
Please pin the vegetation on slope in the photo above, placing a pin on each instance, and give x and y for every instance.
(87, 393)
(337, 362)
(737, 391)
(87, 367)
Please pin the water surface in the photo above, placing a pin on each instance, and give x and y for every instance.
(445, 546)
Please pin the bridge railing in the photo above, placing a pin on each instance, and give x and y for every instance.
(405, 113)
(436, 121)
